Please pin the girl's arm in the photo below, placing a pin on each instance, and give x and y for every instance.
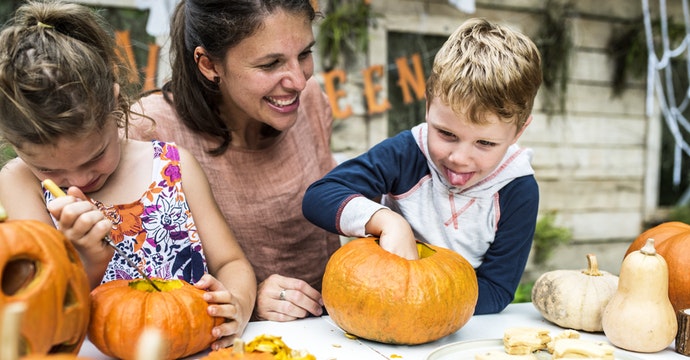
(232, 287)
(79, 220)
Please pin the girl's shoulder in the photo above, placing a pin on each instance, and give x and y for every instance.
(21, 193)
(16, 172)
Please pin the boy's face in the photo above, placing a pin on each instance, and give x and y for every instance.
(463, 152)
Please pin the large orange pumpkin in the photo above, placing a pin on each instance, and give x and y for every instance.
(376, 295)
(672, 242)
(122, 309)
(40, 267)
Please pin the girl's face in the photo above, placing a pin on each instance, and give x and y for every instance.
(85, 161)
(463, 152)
(263, 75)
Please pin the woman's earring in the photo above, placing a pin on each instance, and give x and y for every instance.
(216, 79)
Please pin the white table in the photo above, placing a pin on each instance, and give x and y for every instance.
(321, 337)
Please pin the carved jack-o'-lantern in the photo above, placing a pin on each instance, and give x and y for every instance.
(40, 267)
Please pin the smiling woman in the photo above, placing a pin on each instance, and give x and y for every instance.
(243, 99)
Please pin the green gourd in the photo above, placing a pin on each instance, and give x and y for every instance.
(639, 317)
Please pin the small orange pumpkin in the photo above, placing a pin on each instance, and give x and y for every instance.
(55, 357)
(672, 242)
(376, 295)
(122, 309)
(41, 268)
(231, 354)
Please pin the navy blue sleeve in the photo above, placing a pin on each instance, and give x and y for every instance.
(500, 272)
(392, 166)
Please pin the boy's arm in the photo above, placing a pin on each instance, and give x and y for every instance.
(500, 272)
(341, 202)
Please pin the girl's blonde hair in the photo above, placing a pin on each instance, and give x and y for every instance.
(58, 71)
(487, 68)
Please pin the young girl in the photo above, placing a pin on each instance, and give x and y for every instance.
(62, 112)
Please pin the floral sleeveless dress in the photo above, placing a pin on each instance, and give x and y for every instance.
(158, 231)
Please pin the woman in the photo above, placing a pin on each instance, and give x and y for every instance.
(242, 99)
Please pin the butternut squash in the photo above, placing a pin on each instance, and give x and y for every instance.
(639, 317)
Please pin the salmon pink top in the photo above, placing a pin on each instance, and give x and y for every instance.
(260, 191)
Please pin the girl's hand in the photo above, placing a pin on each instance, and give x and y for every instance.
(222, 304)
(280, 298)
(85, 227)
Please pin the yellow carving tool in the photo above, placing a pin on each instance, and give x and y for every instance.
(57, 192)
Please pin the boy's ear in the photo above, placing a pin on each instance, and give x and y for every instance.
(204, 63)
(524, 126)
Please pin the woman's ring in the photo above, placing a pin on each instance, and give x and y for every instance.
(282, 295)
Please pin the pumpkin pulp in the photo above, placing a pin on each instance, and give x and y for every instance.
(163, 285)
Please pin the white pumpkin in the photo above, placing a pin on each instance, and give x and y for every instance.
(575, 299)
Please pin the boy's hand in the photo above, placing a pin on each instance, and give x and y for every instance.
(394, 232)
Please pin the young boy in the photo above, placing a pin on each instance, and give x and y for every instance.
(459, 180)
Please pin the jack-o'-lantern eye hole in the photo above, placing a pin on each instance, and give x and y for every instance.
(17, 275)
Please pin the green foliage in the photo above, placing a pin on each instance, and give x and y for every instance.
(6, 154)
(524, 292)
(547, 237)
(344, 31)
(628, 49)
(680, 213)
(555, 43)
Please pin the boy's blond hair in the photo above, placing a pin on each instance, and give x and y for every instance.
(485, 67)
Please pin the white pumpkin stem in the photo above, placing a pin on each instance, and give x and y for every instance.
(150, 345)
(648, 248)
(11, 328)
(592, 266)
(3, 214)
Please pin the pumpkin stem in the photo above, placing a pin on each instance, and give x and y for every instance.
(150, 345)
(592, 267)
(3, 214)
(10, 331)
(648, 248)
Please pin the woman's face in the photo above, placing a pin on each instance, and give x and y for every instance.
(86, 161)
(264, 74)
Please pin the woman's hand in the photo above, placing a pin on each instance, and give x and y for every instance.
(222, 304)
(280, 298)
